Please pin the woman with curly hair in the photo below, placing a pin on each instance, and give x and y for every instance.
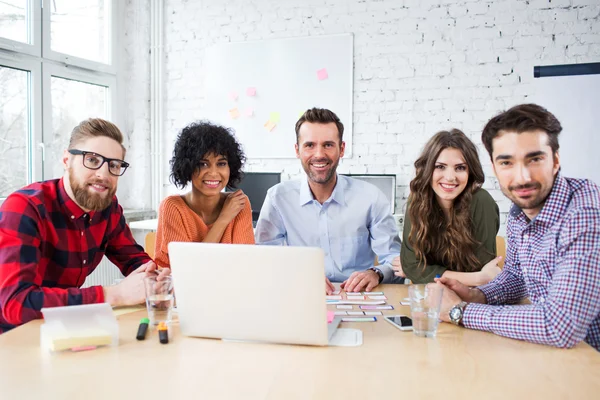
(451, 224)
(209, 157)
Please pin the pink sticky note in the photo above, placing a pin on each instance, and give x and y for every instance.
(330, 315)
(251, 91)
(233, 96)
(322, 74)
(234, 113)
(249, 112)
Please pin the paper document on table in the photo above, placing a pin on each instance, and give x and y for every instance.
(346, 337)
(364, 302)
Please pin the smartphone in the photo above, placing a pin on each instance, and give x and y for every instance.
(401, 322)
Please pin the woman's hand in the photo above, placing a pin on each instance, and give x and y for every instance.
(234, 203)
(489, 271)
(397, 267)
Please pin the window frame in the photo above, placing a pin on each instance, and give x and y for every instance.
(33, 151)
(35, 33)
(68, 59)
(42, 63)
(80, 75)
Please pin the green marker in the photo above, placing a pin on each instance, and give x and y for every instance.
(141, 333)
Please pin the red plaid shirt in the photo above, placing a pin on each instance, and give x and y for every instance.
(49, 245)
(555, 261)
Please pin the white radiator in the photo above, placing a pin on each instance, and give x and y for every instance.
(104, 274)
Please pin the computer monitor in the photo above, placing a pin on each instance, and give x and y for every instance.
(255, 186)
(385, 182)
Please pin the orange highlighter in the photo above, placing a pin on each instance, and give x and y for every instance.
(163, 333)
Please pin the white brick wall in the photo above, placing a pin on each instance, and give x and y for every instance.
(420, 65)
(134, 103)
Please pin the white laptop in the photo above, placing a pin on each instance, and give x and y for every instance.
(255, 293)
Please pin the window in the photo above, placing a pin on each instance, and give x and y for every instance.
(14, 129)
(14, 21)
(56, 69)
(90, 19)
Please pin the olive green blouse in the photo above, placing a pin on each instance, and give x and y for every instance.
(486, 222)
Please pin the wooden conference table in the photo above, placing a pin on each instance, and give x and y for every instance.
(457, 364)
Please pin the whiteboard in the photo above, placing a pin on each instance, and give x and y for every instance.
(288, 78)
(575, 101)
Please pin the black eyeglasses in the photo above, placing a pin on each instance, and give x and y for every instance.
(93, 160)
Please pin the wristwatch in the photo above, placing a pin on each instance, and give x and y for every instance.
(456, 313)
(379, 273)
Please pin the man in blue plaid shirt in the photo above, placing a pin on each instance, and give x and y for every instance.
(553, 251)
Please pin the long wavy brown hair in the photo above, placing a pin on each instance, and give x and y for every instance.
(448, 241)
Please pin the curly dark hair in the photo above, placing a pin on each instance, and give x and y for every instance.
(197, 140)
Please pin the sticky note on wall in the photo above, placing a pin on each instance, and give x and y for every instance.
(275, 117)
(251, 91)
(234, 113)
(322, 74)
(233, 96)
(270, 125)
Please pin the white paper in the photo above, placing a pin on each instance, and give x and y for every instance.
(346, 337)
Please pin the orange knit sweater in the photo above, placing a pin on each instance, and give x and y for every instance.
(178, 223)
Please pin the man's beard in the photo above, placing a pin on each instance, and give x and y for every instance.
(318, 178)
(86, 199)
(531, 203)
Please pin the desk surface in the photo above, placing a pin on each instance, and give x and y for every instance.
(147, 224)
(459, 363)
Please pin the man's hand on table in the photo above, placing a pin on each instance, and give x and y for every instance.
(329, 288)
(131, 290)
(361, 281)
(454, 293)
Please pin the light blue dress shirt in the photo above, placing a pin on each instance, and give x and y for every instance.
(352, 226)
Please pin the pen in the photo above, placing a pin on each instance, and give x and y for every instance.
(438, 276)
(141, 333)
(163, 333)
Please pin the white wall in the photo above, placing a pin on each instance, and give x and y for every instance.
(134, 103)
(419, 66)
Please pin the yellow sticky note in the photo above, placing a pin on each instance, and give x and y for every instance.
(270, 125)
(234, 113)
(301, 114)
(274, 117)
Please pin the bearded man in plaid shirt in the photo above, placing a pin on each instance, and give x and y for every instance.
(54, 233)
(553, 242)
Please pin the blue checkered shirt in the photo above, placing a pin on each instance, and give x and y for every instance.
(555, 261)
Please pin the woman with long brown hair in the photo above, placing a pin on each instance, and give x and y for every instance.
(451, 222)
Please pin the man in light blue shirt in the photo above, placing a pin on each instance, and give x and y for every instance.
(349, 219)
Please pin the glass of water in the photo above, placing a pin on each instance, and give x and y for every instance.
(425, 303)
(159, 299)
